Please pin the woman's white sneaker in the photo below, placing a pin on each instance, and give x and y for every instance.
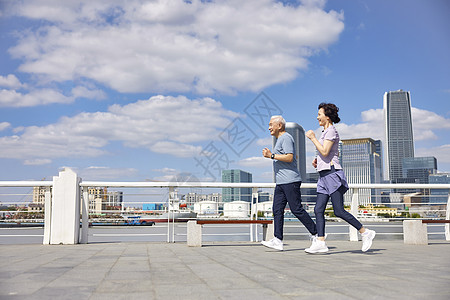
(367, 238)
(274, 243)
(317, 246)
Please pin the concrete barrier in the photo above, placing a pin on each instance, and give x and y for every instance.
(194, 234)
(415, 232)
(65, 209)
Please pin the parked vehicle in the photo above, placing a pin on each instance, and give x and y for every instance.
(137, 220)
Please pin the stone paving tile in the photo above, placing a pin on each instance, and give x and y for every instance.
(19, 288)
(122, 296)
(75, 293)
(180, 291)
(131, 275)
(260, 293)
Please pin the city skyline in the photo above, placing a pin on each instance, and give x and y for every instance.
(149, 91)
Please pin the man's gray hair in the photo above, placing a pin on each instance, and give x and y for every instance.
(279, 119)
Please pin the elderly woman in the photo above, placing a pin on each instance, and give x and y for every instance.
(332, 182)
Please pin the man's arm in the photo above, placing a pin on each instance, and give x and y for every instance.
(289, 157)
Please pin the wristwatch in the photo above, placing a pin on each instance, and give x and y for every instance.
(272, 156)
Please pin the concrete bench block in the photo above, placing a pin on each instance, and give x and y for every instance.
(194, 234)
(415, 232)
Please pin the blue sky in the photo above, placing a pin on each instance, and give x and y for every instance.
(154, 89)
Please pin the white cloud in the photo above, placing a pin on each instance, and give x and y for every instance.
(83, 92)
(169, 125)
(372, 126)
(428, 120)
(46, 96)
(255, 162)
(442, 153)
(11, 98)
(176, 46)
(106, 173)
(173, 175)
(4, 125)
(37, 162)
(169, 171)
(10, 81)
(264, 142)
(175, 149)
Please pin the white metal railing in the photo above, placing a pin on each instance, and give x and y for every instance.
(171, 186)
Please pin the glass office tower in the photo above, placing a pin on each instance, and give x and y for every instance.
(399, 142)
(419, 168)
(362, 164)
(236, 194)
(439, 196)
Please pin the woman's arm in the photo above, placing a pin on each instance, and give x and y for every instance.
(324, 149)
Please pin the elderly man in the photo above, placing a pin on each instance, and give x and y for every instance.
(288, 181)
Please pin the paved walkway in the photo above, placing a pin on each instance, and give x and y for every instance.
(390, 270)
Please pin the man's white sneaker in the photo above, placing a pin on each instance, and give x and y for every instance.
(367, 238)
(274, 243)
(317, 246)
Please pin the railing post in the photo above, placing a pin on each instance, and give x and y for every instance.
(254, 211)
(85, 216)
(65, 211)
(354, 211)
(447, 217)
(169, 209)
(47, 217)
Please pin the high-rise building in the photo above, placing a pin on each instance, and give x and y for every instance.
(114, 198)
(236, 194)
(379, 150)
(39, 194)
(362, 164)
(298, 134)
(399, 142)
(419, 168)
(263, 197)
(439, 195)
(192, 198)
(97, 200)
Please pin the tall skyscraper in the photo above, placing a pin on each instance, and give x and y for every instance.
(298, 133)
(236, 194)
(399, 142)
(362, 164)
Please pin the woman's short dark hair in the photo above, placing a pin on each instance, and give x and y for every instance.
(331, 111)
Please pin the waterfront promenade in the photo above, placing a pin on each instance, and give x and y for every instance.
(225, 270)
